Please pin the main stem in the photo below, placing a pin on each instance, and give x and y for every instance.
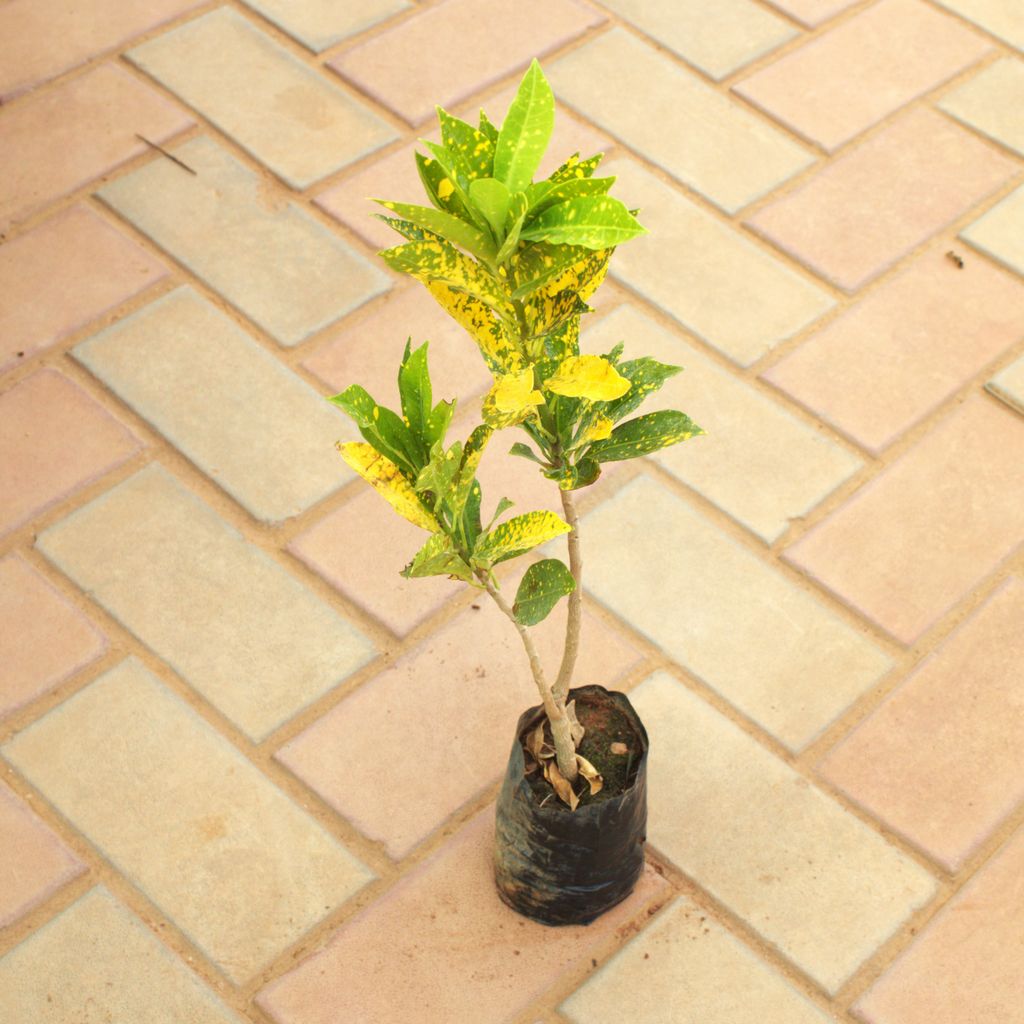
(561, 732)
(575, 617)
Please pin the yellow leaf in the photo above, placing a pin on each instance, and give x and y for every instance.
(386, 477)
(590, 773)
(518, 535)
(511, 400)
(498, 350)
(591, 377)
(599, 429)
(560, 785)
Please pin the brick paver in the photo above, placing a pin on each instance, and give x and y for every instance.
(834, 199)
(198, 807)
(70, 270)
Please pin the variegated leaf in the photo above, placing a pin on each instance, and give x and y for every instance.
(543, 585)
(383, 475)
(587, 376)
(644, 435)
(467, 144)
(596, 222)
(646, 376)
(517, 536)
(449, 227)
(511, 400)
(438, 557)
(486, 329)
(443, 263)
(527, 129)
(574, 167)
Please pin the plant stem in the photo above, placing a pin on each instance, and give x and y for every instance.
(575, 616)
(565, 749)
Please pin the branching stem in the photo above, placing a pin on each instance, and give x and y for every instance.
(575, 616)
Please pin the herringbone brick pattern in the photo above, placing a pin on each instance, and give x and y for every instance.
(240, 782)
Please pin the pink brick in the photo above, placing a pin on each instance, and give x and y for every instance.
(873, 205)
(64, 274)
(457, 47)
(968, 965)
(909, 545)
(35, 862)
(942, 760)
(450, 706)
(44, 639)
(39, 39)
(54, 439)
(906, 347)
(860, 72)
(812, 12)
(62, 139)
(441, 946)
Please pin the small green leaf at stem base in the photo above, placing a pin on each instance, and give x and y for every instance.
(543, 586)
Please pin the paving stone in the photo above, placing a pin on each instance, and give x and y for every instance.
(717, 609)
(676, 120)
(852, 77)
(368, 351)
(225, 854)
(182, 364)
(942, 760)
(687, 962)
(455, 48)
(812, 12)
(267, 257)
(288, 116)
(1000, 232)
(91, 121)
(244, 633)
(1009, 385)
(905, 348)
(477, 653)
(718, 39)
(67, 272)
(441, 946)
(911, 543)
(715, 282)
(745, 463)
(319, 24)
(812, 879)
(1002, 18)
(98, 959)
(40, 39)
(36, 862)
(970, 960)
(867, 210)
(44, 639)
(993, 103)
(54, 439)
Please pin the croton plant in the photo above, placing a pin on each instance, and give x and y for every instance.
(514, 261)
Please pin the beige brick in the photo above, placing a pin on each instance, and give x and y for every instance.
(738, 625)
(35, 862)
(993, 102)
(719, 39)
(70, 270)
(452, 49)
(812, 12)
(700, 137)
(226, 855)
(1000, 232)
(706, 275)
(289, 117)
(318, 24)
(744, 463)
(812, 879)
(1009, 385)
(44, 639)
(968, 964)
(1002, 18)
(942, 760)
(183, 365)
(266, 256)
(238, 628)
(852, 77)
(687, 961)
(910, 544)
(441, 946)
(96, 961)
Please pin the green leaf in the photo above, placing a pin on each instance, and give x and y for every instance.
(492, 199)
(503, 506)
(574, 167)
(467, 144)
(596, 222)
(438, 475)
(470, 519)
(580, 474)
(415, 392)
(456, 231)
(406, 228)
(439, 420)
(517, 536)
(383, 428)
(526, 132)
(524, 451)
(438, 557)
(440, 189)
(646, 375)
(546, 194)
(441, 262)
(456, 177)
(644, 435)
(514, 222)
(487, 128)
(542, 587)
(472, 451)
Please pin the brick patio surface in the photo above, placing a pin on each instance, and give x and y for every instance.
(238, 778)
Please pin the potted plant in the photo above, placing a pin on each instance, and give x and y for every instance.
(514, 262)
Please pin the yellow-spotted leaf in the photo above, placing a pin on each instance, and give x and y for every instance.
(512, 399)
(449, 227)
(496, 345)
(543, 586)
(438, 557)
(574, 167)
(644, 435)
(518, 535)
(467, 144)
(596, 222)
(431, 261)
(386, 477)
(590, 377)
(599, 429)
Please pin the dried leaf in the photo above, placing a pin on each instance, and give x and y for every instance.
(590, 773)
(535, 741)
(560, 785)
(576, 730)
